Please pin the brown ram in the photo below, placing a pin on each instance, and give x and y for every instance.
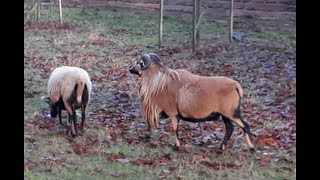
(179, 94)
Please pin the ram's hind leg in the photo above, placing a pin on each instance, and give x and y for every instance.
(245, 127)
(229, 130)
(175, 122)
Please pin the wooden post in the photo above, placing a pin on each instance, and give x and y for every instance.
(194, 18)
(198, 18)
(35, 13)
(60, 10)
(160, 24)
(38, 10)
(231, 21)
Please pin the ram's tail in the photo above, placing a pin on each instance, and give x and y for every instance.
(239, 90)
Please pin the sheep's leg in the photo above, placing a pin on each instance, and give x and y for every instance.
(174, 122)
(59, 114)
(69, 118)
(83, 115)
(73, 116)
(74, 124)
(245, 127)
(229, 130)
(84, 100)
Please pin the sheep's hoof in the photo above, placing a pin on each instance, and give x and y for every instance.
(74, 135)
(81, 132)
(146, 139)
(175, 148)
(70, 133)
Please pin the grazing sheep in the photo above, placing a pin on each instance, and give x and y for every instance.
(69, 89)
(179, 94)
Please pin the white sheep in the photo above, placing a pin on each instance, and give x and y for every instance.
(69, 88)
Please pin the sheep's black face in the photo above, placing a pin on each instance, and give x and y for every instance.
(53, 108)
(53, 112)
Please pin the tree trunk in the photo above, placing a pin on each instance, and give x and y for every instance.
(231, 21)
(60, 10)
(160, 24)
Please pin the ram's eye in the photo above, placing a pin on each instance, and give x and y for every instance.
(141, 64)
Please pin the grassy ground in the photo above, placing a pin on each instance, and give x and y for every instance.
(104, 42)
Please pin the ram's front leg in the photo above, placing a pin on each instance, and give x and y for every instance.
(147, 136)
(175, 122)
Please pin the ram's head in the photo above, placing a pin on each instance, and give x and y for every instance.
(145, 62)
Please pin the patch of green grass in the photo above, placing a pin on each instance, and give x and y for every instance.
(98, 166)
(32, 106)
(279, 61)
(209, 28)
(174, 32)
(146, 41)
(256, 65)
(276, 34)
(271, 124)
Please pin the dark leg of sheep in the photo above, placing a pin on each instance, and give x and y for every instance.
(174, 122)
(69, 119)
(84, 100)
(83, 115)
(74, 123)
(229, 130)
(73, 116)
(59, 114)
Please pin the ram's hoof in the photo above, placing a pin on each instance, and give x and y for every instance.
(222, 147)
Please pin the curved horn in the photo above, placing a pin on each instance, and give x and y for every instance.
(154, 57)
(146, 60)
